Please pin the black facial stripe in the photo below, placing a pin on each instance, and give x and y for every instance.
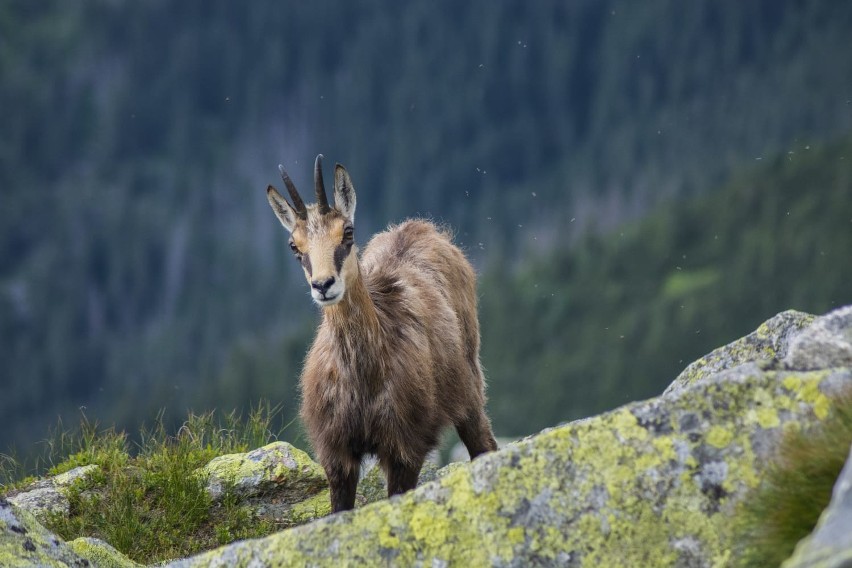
(306, 264)
(340, 254)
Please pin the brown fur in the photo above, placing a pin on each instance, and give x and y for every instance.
(397, 359)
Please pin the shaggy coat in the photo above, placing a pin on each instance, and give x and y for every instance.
(396, 359)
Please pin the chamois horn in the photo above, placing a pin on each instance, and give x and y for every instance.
(319, 187)
(298, 204)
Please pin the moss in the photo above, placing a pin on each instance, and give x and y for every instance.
(645, 485)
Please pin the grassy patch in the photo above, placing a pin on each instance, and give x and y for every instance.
(795, 490)
(147, 499)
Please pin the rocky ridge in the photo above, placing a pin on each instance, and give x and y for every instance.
(650, 483)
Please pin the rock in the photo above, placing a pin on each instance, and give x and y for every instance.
(278, 482)
(830, 544)
(294, 500)
(650, 484)
(100, 554)
(301, 512)
(449, 468)
(826, 343)
(24, 542)
(767, 343)
(48, 495)
(374, 487)
(277, 470)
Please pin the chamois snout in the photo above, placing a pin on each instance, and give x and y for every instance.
(327, 291)
(322, 286)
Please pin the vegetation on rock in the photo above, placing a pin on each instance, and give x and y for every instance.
(794, 490)
(148, 499)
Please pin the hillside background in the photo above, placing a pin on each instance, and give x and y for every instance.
(637, 183)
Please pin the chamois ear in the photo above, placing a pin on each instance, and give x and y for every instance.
(285, 213)
(344, 192)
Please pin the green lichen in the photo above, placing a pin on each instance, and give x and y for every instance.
(831, 559)
(276, 465)
(24, 542)
(373, 487)
(719, 436)
(811, 394)
(77, 475)
(644, 485)
(312, 508)
(100, 554)
(767, 342)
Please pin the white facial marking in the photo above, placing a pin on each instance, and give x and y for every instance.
(333, 295)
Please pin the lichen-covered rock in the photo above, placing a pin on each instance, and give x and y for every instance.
(277, 470)
(371, 488)
(280, 483)
(100, 554)
(49, 495)
(374, 487)
(25, 543)
(308, 510)
(830, 544)
(649, 484)
(825, 343)
(767, 343)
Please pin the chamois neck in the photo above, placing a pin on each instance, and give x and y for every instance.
(355, 313)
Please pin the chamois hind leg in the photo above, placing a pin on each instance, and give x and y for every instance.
(342, 481)
(475, 433)
(401, 477)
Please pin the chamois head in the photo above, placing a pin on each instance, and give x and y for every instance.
(321, 237)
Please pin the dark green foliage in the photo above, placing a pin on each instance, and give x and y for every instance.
(140, 266)
(794, 490)
(615, 318)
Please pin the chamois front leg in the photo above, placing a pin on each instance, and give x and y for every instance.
(343, 482)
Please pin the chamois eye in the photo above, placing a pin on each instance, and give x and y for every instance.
(348, 234)
(295, 249)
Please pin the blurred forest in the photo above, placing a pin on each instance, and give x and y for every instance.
(637, 184)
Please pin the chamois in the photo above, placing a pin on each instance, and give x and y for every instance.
(396, 355)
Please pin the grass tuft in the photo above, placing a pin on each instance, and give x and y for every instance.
(795, 490)
(148, 500)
